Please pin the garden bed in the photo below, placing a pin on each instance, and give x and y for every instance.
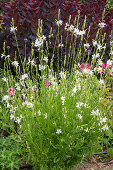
(56, 85)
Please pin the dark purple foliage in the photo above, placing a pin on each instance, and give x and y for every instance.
(27, 12)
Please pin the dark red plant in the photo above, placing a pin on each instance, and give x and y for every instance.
(27, 12)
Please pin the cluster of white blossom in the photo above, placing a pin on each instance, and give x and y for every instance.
(102, 24)
(39, 41)
(63, 100)
(79, 104)
(28, 104)
(59, 22)
(98, 45)
(13, 29)
(75, 31)
(15, 63)
(32, 62)
(87, 72)
(24, 76)
(5, 79)
(62, 75)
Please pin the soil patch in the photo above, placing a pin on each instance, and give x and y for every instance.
(94, 164)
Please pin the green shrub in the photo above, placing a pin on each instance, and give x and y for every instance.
(9, 153)
(63, 123)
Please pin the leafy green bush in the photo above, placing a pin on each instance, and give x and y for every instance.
(9, 153)
(63, 123)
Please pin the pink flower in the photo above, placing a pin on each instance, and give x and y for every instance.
(84, 65)
(11, 91)
(11, 94)
(45, 83)
(23, 90)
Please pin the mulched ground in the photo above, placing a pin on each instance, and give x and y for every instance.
(95, 164)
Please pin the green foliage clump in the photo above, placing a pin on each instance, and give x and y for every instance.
(9, 153)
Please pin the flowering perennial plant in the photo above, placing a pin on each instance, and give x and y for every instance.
(58, 114)
(58, 120)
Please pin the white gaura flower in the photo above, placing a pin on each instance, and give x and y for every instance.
(5, 79)
(79, 86)
(104, 47)
(41, 67)
(45, 59)
(100, 62)
(2, 55)
(51, 35)
(39, 113)
(81, 32)
(28, 104)
(111, 52)
(13, 29)
(71, 27)
(87, 71)
(86, 130)
(12, 116)
(32, 62)
(59, 22)
(109, 62)
(43, 37)
(61, 45)
(86, 45)
(8, 56)
(62, 75)
(101, 82)
(74, 89)
(52, 78)
(95, 112)
(76, 31)
(46, 116)
(78, 105)
(111, 43)
(103, 120)
(24, 76)
(67, 26)
(63, 100)
(100, 98)
(94, 56)
(79, 116)
(15, 63)
(99, 47)
(17, 86)
(18, 120)
(39, 41)
(13, 109)
(8, 105)
(95, 43)
(85, 105)
(58, 131)
(55, 85)
(102, 25)
(6, 97)
(105, 127)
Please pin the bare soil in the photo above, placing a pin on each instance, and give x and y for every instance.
(94, 164)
